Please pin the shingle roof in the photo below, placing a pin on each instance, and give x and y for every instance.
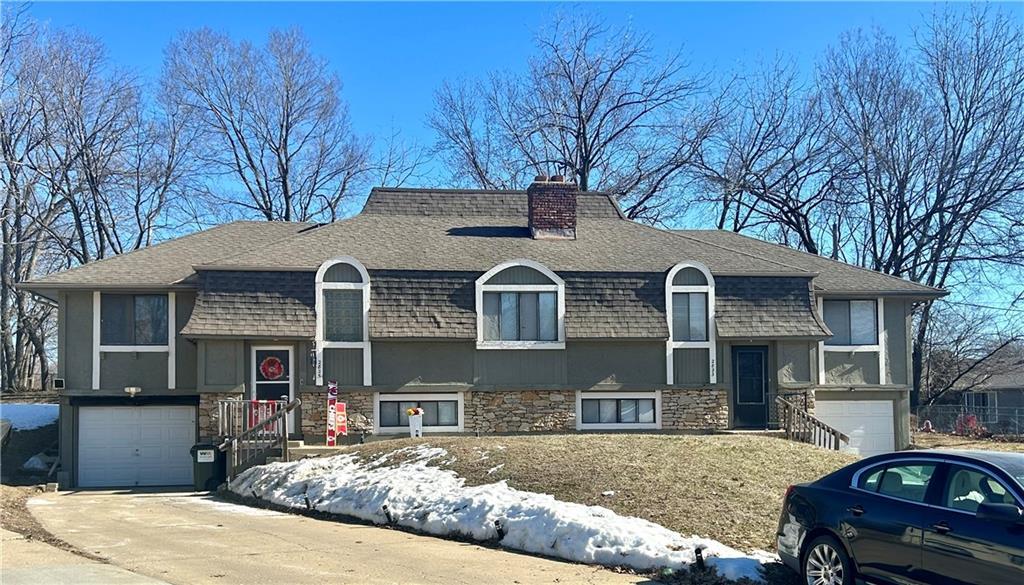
(170, 262)
(833, 276)
(253, 304)
(766, 307)
(476, 230)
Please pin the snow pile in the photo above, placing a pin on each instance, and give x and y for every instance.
(25, 417)
(437, 501)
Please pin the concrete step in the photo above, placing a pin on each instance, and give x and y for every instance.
(295, 444)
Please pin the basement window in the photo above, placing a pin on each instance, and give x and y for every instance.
(606, 410)
(441, 412)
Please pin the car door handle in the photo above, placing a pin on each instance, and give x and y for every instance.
(941, 528)
(857, 510)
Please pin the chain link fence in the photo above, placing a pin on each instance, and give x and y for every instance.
(959, 419)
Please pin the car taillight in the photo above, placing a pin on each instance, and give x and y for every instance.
(789, 492)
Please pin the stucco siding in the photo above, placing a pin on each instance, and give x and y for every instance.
(417, 362)
(794, 362)
(623, 362)
(145, 369)
(851, 368)
(185, 351)
(75, 346)
(896, 319)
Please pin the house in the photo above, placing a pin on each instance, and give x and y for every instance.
(996, 396)
(494, 311)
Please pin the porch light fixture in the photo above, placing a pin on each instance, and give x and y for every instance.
(132, 390)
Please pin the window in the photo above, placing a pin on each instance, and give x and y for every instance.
(133, 319)
(343, 315)
(436, 413)
(967, 488)
(520, 305)
(618, 411)
(525, 316)
(690, 311)
(906, 482)
(690, 316)
(851, 322)
(342, 312)
(605, 410)
(441, 412)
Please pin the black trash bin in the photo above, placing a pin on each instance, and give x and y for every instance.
(208, 467)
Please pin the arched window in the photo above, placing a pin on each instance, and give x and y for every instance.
(520, 304)
(342, 311)
(690, 310)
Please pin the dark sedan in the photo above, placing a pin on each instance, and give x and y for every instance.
(910, 517)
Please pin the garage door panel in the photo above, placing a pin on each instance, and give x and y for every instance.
(135, 445)
(868, 423)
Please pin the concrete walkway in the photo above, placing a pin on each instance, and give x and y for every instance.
(190, 538)
(31, 562)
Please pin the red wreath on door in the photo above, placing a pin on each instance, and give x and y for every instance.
(272, 368)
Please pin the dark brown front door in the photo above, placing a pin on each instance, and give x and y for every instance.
(750, 387)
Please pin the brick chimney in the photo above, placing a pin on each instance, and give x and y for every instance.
(552, 204)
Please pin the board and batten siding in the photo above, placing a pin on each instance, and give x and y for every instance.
(74, 343)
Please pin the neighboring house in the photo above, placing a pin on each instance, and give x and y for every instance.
(998, 399)
(495, 311)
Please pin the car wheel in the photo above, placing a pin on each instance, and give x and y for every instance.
(826, 563)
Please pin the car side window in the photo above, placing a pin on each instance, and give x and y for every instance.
(869, 481)
(906, 482)
(967, 488)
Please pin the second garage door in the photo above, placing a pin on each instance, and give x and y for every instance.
(868, 423)
(122, 446)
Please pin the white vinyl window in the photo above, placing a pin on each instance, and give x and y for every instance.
(520, 304)
(343, 312)
(618, 410)
(690, 310)
(857, 327)
(133, 323)
(983, 405)
(442, 413)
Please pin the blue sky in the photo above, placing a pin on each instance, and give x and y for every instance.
(391, 56)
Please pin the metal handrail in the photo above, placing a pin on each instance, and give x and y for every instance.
(255, 442)
(804, 427)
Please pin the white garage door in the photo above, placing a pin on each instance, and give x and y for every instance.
(135, 445)
(868, 423)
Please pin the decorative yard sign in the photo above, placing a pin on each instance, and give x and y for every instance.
(337, 415)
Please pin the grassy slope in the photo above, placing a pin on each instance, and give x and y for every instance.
(729, 488)
(943, 441)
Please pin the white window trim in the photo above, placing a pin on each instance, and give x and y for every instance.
(558, 288)
(581, 426)
(377, 397)
(99, 349)
(671, 345)
(320, 343)
(878, 347)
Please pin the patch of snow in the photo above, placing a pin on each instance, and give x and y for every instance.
(608, 493)
(25, 417)
(437, 501)
(495, 468)
(36, 463)
(39, 502)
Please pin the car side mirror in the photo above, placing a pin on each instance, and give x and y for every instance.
(1004, 513)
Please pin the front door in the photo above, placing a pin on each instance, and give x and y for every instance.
(272, 374)
(750, 386)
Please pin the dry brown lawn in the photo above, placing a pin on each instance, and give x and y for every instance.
(944, 441)
(725, 487)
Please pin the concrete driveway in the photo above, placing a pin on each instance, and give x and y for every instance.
(194, 538)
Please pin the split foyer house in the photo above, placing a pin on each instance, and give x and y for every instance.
(494, 311)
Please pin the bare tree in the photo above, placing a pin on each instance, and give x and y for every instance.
(272, 119)
(88, 171)
(595, 104)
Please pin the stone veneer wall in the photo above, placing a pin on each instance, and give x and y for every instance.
(792, 396)
(694, 409)
(208, 413)
(519, 411)
(359, 406)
